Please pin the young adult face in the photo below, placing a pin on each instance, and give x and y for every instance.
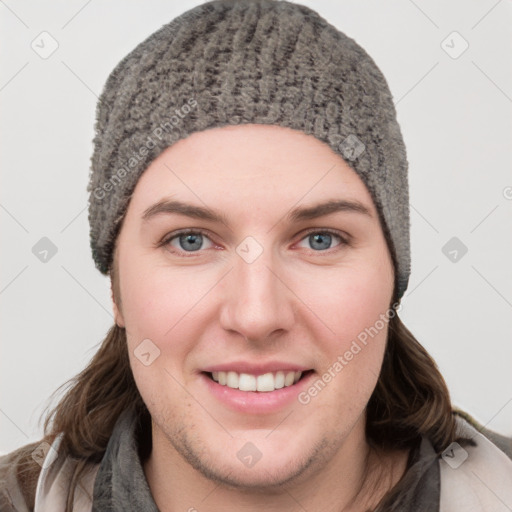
(262, 291)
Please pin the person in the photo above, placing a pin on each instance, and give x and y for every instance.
(249, 202)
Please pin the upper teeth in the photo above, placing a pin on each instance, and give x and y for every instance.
(265, 382)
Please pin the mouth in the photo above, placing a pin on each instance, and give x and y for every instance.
(265, 383)
(257, 394)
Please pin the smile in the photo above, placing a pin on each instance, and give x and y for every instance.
(267, 382)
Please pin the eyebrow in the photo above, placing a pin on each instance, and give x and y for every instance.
(321, 209)
(295, 215)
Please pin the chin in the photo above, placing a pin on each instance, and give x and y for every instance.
(266, 477)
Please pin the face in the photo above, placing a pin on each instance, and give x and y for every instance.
(266, 283)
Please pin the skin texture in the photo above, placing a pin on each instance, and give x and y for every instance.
(304, 300)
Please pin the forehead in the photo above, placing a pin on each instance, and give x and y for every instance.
(257, 166)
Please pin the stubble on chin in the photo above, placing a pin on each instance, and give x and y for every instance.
(228, 475)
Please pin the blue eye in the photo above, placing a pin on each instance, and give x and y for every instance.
(192, 240)
(322, 240)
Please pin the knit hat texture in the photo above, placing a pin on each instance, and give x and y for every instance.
(230, 62)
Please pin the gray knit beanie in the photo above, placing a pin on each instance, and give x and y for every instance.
(229, 62)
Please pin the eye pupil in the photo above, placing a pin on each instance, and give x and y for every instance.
(191, 238)
(321, 237)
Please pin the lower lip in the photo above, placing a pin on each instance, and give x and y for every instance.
(254, 402)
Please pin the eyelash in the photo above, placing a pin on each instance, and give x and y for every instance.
(166, 240)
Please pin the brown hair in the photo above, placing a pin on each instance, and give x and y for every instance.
(410, 399)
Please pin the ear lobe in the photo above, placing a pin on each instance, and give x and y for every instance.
(118, 315)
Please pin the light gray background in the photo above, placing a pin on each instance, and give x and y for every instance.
(455, 115)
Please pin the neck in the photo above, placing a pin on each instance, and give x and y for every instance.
(354, 479)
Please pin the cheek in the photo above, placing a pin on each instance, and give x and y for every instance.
(355, 300)
(356, 309)
(166, 308)
(154, 300)
(158, 309)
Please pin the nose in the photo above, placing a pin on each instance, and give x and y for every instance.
(258, 301)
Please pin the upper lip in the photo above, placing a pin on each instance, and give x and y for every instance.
(256, 369)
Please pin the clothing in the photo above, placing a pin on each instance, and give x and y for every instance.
(482, 483)
(234, 62)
